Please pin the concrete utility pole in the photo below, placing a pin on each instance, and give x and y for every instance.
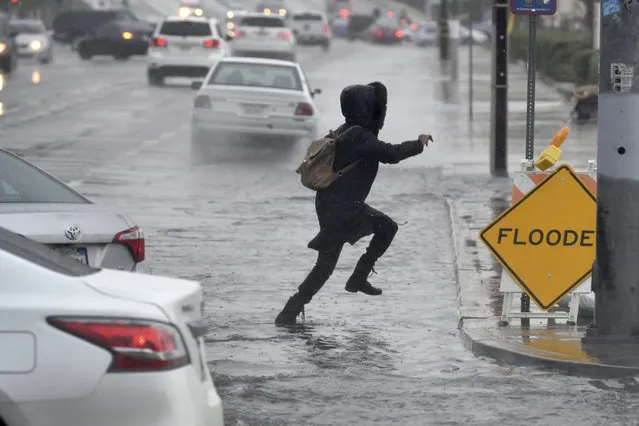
(499, 99)
(444, 40)
(616, 269)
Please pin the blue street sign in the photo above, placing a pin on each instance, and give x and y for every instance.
(533, 7)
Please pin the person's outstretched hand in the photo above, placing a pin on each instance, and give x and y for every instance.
(424, 139)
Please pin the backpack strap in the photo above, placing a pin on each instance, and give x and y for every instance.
(352, 165)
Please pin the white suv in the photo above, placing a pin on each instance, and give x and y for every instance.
(185, 47)
(311, 28)
(259, 35)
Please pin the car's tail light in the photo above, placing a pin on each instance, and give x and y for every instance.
(159, 42)
(413, 26)
(390, 14)
(136, 345)
(212, 43)
(284, 35)
(134, 239)
(344, 13)
(202, 101)
(325, 29)
(399, 33)
(379, 33)
(304, 109)
(239, 33)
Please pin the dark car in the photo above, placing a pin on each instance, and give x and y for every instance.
(119, 39)
(72, 25)
(358, 24)
(8, 47)
(386, 30)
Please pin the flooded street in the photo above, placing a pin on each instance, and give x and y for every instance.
(241, 226)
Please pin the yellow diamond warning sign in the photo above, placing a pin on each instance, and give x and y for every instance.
(546, 241)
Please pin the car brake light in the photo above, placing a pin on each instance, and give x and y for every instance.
(159, 42)
(284, 35)
(304, 109)
(413, 26)
(390, 14)
(344, 13)
(325, 29)
(134, 239)
(239, 33)
(136, 345)
(212, 44)
(379, 33)
(399, 33)
(202, 101)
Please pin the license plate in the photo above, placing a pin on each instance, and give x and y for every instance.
(76, 253)
(254, 109)
(185, 47)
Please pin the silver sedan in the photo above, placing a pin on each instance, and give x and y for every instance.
(33, 39)
(40, 207)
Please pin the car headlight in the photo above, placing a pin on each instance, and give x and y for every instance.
(3, 47)
(199, 12)
(35, 45)
(184, 12)
(267, 11)
(282, 12)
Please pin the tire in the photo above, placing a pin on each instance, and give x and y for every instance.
(326, 46)
(84, 54)
(155, 79)
(9, 64)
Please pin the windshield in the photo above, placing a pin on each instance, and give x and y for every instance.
(261, 21)
(28, 27)
(20, 182)
(185, 28)
(256, 75)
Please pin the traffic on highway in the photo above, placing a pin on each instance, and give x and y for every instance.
(153, 225)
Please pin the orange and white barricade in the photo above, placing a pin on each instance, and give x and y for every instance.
(523, 182)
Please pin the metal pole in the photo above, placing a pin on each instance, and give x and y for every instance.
(616, 270)
(470, 70)
(499, 101)
(530, 95)
(443, 31)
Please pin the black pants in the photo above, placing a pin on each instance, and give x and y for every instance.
(384, 230)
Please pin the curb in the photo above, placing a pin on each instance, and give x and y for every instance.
(479, 336)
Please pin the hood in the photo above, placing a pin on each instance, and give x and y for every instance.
(365, 105)
(28, 38)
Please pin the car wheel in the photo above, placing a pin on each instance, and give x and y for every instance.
(199, 154)
(85, 55)
(326, 46)
(155, 79)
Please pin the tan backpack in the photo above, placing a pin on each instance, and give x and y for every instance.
(316, 171)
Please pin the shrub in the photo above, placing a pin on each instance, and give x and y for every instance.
(562, 56)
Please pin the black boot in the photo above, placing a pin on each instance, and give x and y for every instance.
(291, 310)
(359, 280)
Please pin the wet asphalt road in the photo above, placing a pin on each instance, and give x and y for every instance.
(241, 228)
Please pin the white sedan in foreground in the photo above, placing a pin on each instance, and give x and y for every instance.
(83, 346)
(252, 98)
(33, 39)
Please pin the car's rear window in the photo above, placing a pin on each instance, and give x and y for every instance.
(41, 255)
(307, 17)
(261, 21)
(20, 182)
(185, 28)
(256, 75)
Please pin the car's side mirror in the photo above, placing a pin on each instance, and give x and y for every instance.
(316, 92)
(196, 85)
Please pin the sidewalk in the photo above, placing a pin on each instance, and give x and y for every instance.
(482, 198)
